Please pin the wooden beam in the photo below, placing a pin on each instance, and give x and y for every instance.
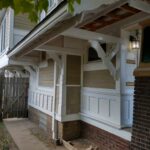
(89, 35)
(101, 53)
(140, 5)
(21, 63)
(61, 50)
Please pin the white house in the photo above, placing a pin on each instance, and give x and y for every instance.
(80, 67)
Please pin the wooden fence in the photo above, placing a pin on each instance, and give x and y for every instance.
(13, 97)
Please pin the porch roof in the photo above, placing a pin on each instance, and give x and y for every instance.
(53, 26)
(62, 21)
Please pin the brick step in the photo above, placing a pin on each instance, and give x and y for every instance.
(80, 144)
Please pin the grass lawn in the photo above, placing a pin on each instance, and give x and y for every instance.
(6, 142)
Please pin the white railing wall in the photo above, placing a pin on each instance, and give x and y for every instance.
(101, 105)
(41, 100)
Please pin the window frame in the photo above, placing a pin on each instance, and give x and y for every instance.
(3, 35)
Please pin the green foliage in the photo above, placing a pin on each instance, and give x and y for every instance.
(71, 4)
(32, 7)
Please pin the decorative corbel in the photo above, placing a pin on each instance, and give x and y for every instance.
(106, 58)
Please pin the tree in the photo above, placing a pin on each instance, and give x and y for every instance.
(32, 7)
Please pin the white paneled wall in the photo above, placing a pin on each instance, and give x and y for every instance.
(101, 105)
(127, 109)
(41, 100)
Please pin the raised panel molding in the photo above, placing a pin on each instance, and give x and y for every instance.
(42, 101)
(102, 106)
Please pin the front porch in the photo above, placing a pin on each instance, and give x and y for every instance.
(81, 74)
(21, 130)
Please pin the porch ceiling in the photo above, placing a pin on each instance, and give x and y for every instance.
(111, 17)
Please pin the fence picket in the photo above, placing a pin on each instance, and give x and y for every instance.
(13, 97)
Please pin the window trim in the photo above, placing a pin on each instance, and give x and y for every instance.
(3, 35)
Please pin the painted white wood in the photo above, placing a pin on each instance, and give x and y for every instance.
(55, 57)
(89, 35)
(4, 61)
(121, 133)
(91, 66)
(88, 5)
(141, 5)
(43, 64)
(11, 21)
(22, 63)
(127, 70)
(61, 50)
(106, 59)
(101, 7)
(62, 88)
(41, 100)
(54, 124)
(127, 109)
(102, 105)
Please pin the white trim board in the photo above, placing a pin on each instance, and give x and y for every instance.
(101, 91)
(121, 133)
(91, 66)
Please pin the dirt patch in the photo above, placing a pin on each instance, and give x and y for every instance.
(45, 138)
(6, 142)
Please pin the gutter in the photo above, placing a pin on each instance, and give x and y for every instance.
(42, 27)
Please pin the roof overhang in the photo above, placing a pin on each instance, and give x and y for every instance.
(53, 27)
(62, 21)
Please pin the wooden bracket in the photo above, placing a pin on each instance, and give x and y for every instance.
(106, 58)
(55, 57)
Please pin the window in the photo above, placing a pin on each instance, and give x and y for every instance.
(2, 35)
(92, 55)
(146, 45)
(52, 3)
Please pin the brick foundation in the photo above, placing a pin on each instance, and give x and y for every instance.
(77, 129)
(103, 139)
(36, 116)
(141, 117)
(69, 130)
(66, 130)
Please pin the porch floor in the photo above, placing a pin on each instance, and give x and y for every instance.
(20, 130)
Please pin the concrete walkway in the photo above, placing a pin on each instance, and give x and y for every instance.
(19, 129)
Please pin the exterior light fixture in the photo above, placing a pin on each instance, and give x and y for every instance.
(134, 44)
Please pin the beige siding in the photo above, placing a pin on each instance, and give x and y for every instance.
(98, 79)
(73, 69)
(46, 75)
(59, 41)
(21, 21)
(73, 100)
(70, 42)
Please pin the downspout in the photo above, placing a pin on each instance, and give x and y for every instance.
(54, 120)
